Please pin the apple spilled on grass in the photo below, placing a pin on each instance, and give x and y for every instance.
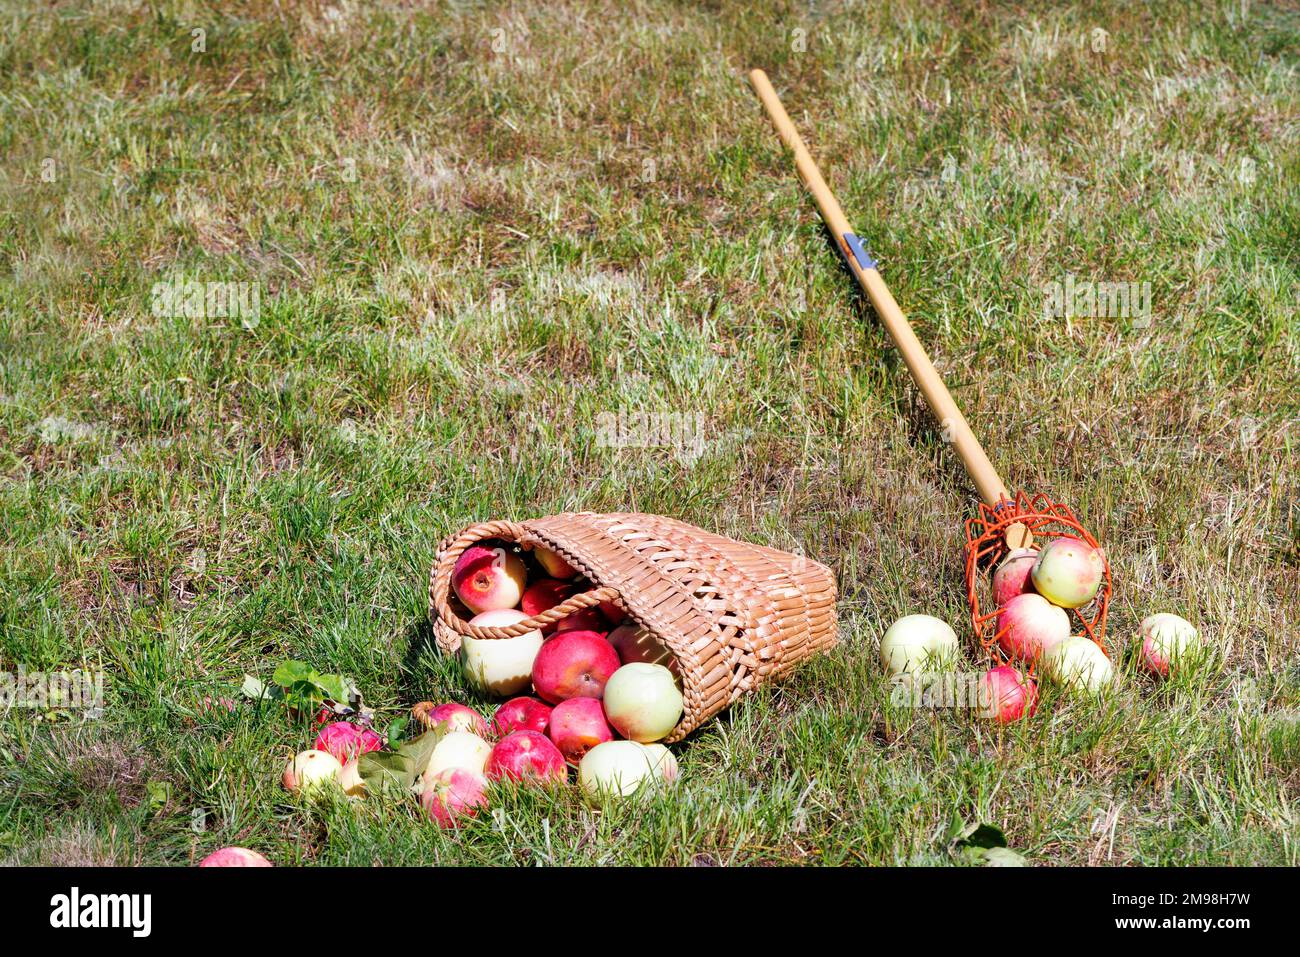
(578, 725)
(450, 716)
(351, 781)
(346, 741)
(311, 771)
(526, 757)
(1008, 695)
(621, 769)
(597, 694)
(1078, 664)
(453, 794)
(1167, 641)
(918, 644)
(521, 714)
(459, 749)
(235, 857)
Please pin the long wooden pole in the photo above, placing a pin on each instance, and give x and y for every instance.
(986, 479)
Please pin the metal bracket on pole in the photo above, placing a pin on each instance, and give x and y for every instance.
(859, 251)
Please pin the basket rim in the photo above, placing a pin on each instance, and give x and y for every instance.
(455, 545)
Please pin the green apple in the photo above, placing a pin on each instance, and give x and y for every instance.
(917, 644)
(1068, 572)
(350, 779)
(311, 771)
(642, 702)
(664, 761)
(1079, 664)
(619, 768)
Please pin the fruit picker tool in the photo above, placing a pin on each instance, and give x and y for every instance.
(1005, 521)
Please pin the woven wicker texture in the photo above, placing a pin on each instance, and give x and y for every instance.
(734, 614)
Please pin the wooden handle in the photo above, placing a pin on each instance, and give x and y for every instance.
(953, 423)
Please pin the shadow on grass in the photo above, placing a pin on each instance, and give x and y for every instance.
(430, 675)
(421, 653)
(922, 429)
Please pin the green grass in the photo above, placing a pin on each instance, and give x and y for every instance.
(470, 244)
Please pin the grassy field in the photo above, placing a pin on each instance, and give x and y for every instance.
(474, 231)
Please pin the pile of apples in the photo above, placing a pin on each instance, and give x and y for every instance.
(605, 692)
(1032, 590)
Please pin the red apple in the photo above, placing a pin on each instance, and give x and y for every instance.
(1029, 626)
(521, 714)
(1007, 695)
(454, 794)
(612, 612)
(577, 726)
(488, 577)
(584, 619)
(234, 857)
(451, 716)
(543, 595)
(555, 566)
(526, 756)
(632, 643)
(346, 741)
(574, 664)
(1012, 576)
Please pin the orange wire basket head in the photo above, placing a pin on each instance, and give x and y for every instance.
(986, 546)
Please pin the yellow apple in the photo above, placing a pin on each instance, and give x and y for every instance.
(500, 666)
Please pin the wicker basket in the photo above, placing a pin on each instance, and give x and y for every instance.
(733, 614)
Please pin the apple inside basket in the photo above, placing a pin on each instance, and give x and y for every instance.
(661, 609)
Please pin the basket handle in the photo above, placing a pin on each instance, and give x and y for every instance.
(440, 587)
